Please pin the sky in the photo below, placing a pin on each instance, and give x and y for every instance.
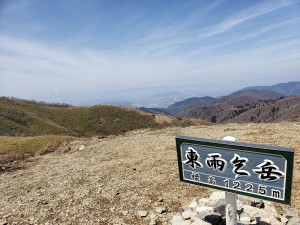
(78, 51)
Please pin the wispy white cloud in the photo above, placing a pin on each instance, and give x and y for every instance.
(179, 34)
(16, 6)
(178, 50)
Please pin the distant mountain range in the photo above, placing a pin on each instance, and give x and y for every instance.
(251, 104)
(286, 89)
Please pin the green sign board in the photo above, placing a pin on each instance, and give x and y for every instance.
(258, 171)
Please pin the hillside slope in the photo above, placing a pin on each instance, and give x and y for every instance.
(247, 108)
(113, 178)
(26, 118)
(272, 111)
(188, 103)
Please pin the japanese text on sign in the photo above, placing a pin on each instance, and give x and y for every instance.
(251, 172)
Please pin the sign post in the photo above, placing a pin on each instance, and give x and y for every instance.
(230, 200)
(257, 171)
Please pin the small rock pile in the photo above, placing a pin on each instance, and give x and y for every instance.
(207, 211)
(153, 217)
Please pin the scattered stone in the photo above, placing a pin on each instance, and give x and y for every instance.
(142, 213)
(202, 211)
(294, 221)
(215, 198)
(125, 212)
(152, 222)
(194, 203)
(229, 138)
(258, 203)
(188, 214)
(291, 212)
(81, 147)
(112, 209)
(153, 216)
(220, 202)
(245, 218)
(3, 222)
(205, 214)
(160, 199)
(203, 201)
(251, 211)
(239, 205)
(177, 218)
(160, 210)
(198, 221)
(245, 199)
(220, 209)
(185, 222)
(213, 219)
(283, 219)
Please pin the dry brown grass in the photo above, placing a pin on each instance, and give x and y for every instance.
(128, 172)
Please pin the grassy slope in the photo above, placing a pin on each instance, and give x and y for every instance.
(48, 126)
(30, 145)
(23, 118)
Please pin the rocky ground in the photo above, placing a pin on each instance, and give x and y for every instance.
(129, 179)
(211, 211)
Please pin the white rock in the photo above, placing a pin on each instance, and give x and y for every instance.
(153, 216)
(239, 204)
(283, 219)
(152, 222)
(188, 214)
(245, 199)
(215, 197)
(125, 213)
(3, 222)
(203, 201)
(142, 213)
(185, 222)
(177, 218)
(252, 211)
(245, 218)
(291, 212)
(197, 221)
(293, 221)
(160, 210)
(271, 209)
(229, 138)
(202, 211)
(193, 204)
(81, 147)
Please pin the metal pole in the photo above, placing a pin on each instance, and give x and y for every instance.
(230, 200)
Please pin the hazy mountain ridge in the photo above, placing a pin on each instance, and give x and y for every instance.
(188, 103)
(287, 89)
(282, 109)
(227, 108)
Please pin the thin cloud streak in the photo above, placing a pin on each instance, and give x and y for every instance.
(170, 51)
(180, 35)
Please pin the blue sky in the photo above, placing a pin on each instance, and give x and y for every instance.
(77, 51)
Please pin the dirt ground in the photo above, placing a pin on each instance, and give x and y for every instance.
(113, 178)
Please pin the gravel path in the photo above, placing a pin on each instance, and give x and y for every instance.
(113, 178)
